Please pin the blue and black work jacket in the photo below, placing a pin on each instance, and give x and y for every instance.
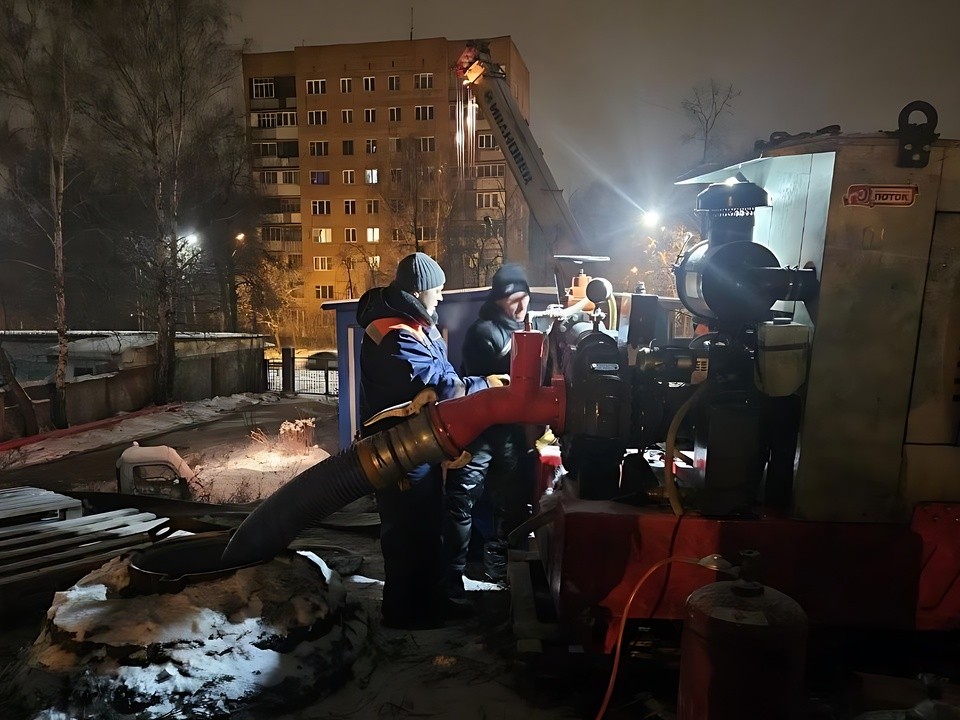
(402, 352)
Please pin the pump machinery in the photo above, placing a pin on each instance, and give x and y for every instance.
(810, 413)
(812, 416)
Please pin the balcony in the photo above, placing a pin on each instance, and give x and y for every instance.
(280, 190)
(288, 132)
(290, 218)
(264, 103)
(272, 161)
(283, 246)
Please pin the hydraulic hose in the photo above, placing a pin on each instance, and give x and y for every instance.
(669, 481)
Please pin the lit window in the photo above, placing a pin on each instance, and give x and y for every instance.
(427, 144)
(394, 114)
(424, 112)
(371, 146)
(319, 177)
(322, 235)
(316, 117)
(316, 87)
(423, 81)
(350, 235)
(350, 207)
(321, 263)
(374, 262)
(319, 148)
(369, 83)
(349, 177)
(320, 207)
(324, 292)
(370, 177)
(346, 116)
(370, 115)
(263, 88)
(346, 85)
(393, 82)
(373, 207)
(373, 234)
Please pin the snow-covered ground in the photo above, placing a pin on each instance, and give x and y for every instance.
(129, 429)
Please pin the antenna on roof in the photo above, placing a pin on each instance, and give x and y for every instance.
(411, 22)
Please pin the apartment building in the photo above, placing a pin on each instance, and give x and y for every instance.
(365, 152)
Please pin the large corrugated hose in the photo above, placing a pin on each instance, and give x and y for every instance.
(303, 502)
(378, 461)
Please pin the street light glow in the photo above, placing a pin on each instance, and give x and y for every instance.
(191, 238)
(240, 237)
(651, 218)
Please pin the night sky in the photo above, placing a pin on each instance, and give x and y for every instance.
(607, 76)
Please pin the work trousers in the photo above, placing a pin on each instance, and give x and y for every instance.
(498, 459)
(411, 527)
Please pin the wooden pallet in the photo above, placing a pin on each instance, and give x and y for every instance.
(20, 504)
(40, 557)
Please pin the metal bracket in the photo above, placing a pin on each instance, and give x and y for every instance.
(458, 462)
(424, 397)
(916, 140)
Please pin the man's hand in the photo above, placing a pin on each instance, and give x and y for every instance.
(498, 380)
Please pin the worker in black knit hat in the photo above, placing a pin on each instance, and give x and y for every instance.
(499, 455)
(401, 353)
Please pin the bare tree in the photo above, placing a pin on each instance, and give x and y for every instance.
(419, 195)
(42, 68)
(166, 69)
(705, 106)
(270, 294)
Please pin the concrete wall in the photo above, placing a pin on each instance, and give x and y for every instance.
(221, 374)
(238, 369)
(100, 396)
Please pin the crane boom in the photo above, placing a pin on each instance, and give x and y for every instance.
(545, 199)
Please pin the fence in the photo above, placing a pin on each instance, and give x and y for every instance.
(307, 381)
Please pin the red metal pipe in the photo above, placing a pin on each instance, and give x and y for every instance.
(525, 400)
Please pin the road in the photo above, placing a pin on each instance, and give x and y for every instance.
(95, 471)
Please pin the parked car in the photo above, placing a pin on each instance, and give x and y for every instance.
(323, 360)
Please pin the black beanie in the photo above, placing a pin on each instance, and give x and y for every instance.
(418, 272)
(508, 280)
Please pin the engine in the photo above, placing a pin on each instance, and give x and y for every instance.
(707, 421)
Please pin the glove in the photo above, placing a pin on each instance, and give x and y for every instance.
(498, 380)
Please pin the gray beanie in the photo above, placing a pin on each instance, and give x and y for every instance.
(418, 272)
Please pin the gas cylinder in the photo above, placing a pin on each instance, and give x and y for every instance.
(742, 652)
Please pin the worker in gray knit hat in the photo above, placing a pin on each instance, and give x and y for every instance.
(402, 352)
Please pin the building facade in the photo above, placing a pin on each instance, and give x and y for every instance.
(365, 152)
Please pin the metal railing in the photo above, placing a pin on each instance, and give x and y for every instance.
(305, 381)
